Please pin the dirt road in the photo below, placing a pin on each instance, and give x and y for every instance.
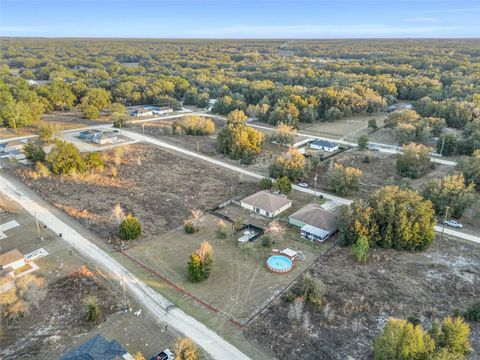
(217, 347)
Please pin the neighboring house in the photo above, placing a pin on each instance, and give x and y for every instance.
(143, 112)
(266, 204)
(106, 137)
(162, 110)
(10, 261)
(98, 348)
(315, 223)
(89, 134)
(324, 145)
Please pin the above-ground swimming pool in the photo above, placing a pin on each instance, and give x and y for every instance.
(279, 264)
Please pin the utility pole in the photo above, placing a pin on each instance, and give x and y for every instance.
(441, 149)
(445, 219)
(38, 226)
(124, 293)
(315, 188)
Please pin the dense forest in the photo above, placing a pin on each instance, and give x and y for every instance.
(275, 81)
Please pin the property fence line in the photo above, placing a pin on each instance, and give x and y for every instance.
(289, 285)
(182, 290)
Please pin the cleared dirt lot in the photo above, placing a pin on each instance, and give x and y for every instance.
(360, 298)
(239, 283)
(159, 187)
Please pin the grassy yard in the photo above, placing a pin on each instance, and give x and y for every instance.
(239, 284)
(348, 129)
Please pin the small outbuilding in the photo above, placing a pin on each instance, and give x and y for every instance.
(324, 145)
(266, 204)
(140, 112)
(89, 134)
(315, 223)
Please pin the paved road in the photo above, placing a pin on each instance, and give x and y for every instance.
(151, 140)
(217, 347)
(337, 200)
(458, 234)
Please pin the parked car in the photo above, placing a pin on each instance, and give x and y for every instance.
(302, 184)
(373, 147)
(453, 223)
(164, 355)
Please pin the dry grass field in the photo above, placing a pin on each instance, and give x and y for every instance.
(159, 187)
(359, 299)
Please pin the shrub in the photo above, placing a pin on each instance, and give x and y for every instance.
(290, 164)
(452, 336)
(313, 291)
(283, 185)
(185, 349)
(363, 142)
(266, 242)
(197, 125)
(45, 132)
(34, 152)
(473, 311)
(402, 340)
(222, 232)
(366, 159)
(94, 161)
(200, 264)
(237, 223)
(65, 158)
(130, 228)
(42, 169)
(360, 248)
(414, 161)
(93, 310)
(189, 227)
(447, 144)
(266, 183)
(372, 124)
(343, 180)
(450, 191)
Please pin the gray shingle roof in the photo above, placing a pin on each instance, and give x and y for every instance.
(266, 201)
(97, 348)
(314, 215)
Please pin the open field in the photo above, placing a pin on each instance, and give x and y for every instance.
(360, 298)
(348, 129)
(159, 187)
(239, 284)
(206, 144)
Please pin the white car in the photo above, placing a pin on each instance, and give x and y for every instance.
(453, 223)
(304, 185)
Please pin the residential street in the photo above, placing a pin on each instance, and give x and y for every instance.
(216, 346)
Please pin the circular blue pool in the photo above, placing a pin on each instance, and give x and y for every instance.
(279, 263)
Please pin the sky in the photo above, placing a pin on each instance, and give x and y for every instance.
(240, 19)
